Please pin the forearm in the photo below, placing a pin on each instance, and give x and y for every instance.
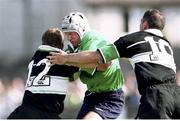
(84, 57)
(100, 67)
(85, 65)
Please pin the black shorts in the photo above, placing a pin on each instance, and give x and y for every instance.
(160, 102)
(108, 105)
(26, 111)
(39, 106)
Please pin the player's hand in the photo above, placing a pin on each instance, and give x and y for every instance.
(57, 57)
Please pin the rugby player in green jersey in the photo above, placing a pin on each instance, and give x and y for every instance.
(104, 98)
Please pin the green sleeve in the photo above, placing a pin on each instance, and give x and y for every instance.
(108, 53)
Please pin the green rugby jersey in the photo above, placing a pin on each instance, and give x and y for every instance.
(100, 81)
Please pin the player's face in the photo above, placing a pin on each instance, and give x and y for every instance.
(73, 37)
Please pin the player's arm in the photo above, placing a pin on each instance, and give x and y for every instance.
(85, 57)
(99, 66)
(80, 65)
(102, 55)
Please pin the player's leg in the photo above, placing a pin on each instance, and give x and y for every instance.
(25, 112)
(176, 114)
(92, 115)
(86, 107)
(105, 105)
(109, 104)
(30, 112)
(157, 103)
(15, 114)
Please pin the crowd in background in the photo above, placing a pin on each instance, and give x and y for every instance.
(11, 94)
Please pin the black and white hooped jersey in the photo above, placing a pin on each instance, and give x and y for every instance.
(46, 85)
(46, 79)
(151, 56)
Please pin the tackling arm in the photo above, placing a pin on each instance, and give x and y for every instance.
(100, 67)
(85, 57)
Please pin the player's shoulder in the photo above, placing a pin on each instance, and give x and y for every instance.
(43, 52)
(47, 48)
(134, 36)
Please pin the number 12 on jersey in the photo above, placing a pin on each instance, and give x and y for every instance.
(41, 79)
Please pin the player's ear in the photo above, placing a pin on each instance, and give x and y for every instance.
(145, 25)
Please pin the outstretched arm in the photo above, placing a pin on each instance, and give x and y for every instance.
(85, 57)
(100, 67)
(74, 59)
(102, 55)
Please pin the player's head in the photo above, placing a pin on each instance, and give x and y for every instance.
(152, 18)
(53, 37)
(75, 22)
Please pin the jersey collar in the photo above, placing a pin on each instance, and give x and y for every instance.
(155, 31)
(47, 48)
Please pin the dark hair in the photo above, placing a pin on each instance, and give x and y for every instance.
(53, 37)
(154, 18)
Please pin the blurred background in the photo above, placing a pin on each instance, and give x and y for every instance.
(22, 23)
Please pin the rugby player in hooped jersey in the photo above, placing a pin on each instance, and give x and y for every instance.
(46, 86)
(151, 56)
